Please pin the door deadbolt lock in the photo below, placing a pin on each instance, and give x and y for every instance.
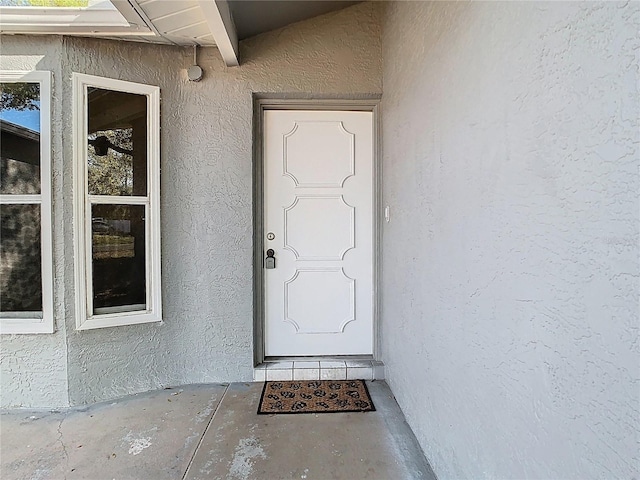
(270, 261)
(270, 236)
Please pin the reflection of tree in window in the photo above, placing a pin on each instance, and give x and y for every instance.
(20, 96)
(112, 172)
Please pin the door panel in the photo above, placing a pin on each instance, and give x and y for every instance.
(318, 220)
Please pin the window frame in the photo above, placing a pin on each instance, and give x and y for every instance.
(85, 318)
(46, 324)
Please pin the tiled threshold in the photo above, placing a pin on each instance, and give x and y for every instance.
(319, 370)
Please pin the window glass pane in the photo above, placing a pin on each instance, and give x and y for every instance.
(117, 143)
(118, 253)
(20, 259)
(20, 138)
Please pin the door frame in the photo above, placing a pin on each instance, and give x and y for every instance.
(262, 102)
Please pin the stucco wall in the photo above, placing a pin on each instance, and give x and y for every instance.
(33, 368)
(510, 290)
(206, 201)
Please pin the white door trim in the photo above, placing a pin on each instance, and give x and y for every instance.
(265, 102)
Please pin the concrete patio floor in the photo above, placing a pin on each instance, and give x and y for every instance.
(212, 432)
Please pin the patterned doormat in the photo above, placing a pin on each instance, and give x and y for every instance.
(315, 396)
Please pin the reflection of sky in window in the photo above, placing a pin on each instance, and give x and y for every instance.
(25, 118)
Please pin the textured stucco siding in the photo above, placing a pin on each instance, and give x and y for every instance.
(33, 368)
(510, 271)
(206, 197)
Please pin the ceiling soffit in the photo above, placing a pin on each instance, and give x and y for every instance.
(206, 23)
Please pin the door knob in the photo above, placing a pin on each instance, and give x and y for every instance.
(270, 261)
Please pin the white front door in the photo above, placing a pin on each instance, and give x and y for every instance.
(318, 220)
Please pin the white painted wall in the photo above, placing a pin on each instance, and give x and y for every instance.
(206, 203)
(511, 276)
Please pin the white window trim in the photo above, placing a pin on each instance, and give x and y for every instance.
(85, 319)
(24, 323)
